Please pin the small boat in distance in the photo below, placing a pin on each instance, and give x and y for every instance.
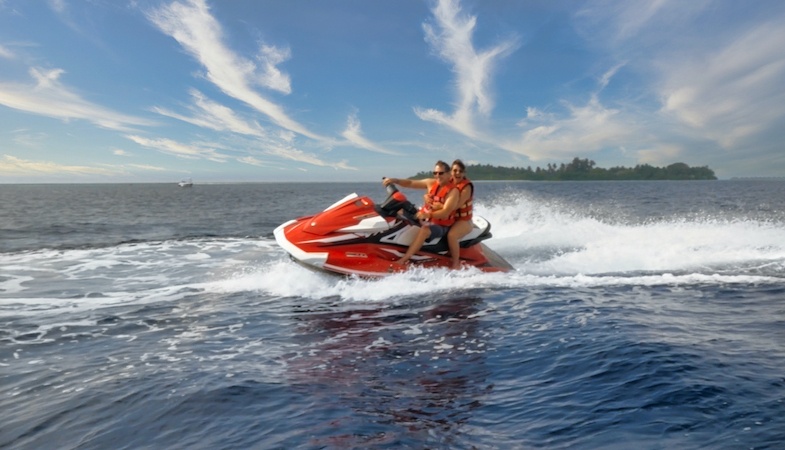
(185, 183)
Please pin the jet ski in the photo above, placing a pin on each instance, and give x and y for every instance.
(355, 236)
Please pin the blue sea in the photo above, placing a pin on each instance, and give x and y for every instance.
(640, 315)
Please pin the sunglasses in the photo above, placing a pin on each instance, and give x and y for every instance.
(438, 173)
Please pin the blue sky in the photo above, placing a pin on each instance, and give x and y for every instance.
(345, 90)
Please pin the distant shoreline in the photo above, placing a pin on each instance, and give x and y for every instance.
(584, 170)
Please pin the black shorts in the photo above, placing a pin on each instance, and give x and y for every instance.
(438, 231)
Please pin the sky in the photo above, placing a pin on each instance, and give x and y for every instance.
(96, 91)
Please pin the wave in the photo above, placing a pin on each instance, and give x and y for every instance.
(278, 280)
(286, 279)
(543, 238)
(550, 244)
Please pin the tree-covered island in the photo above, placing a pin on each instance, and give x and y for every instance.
(585, 170)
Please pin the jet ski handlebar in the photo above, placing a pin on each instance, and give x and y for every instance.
(397, 202)
(391, 189)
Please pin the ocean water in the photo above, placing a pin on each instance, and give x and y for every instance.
(647, 315)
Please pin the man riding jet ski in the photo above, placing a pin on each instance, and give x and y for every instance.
(354, 236)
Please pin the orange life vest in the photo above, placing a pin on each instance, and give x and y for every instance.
(439, 195)
(464, 212)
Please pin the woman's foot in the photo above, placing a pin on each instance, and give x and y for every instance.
(458, 265)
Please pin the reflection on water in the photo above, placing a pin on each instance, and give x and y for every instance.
(397, 373)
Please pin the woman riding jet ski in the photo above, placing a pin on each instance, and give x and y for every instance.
(354, 236)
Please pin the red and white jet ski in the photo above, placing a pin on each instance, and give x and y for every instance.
(354, 236)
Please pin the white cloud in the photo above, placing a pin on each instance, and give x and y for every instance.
(147, 167)
(62, 11)
(59, 6)
(172, 147)
(451, 38)
(606, 77)
(252, 161)
(13, 166)
(718, 73)
(191, 24)
(272, 77)
(120, 152)
(6, 53)
(209, 114)
(294, 154)
(28, 138)
(660, 155)
(353, 134)
(588, 128)
(733, 92)
(49, 97)
(636, 24)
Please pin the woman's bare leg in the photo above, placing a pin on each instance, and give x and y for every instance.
(460, 229)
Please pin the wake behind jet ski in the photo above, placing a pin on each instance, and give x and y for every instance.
(355, 236)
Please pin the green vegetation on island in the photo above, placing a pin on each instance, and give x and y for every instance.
(585, 170)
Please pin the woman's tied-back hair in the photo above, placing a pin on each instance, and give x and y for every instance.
(443, 165)
(460, 164)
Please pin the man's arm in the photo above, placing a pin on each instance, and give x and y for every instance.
(407, 183)
(450, 205)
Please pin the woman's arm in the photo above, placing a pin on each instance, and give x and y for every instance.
(466, 194)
